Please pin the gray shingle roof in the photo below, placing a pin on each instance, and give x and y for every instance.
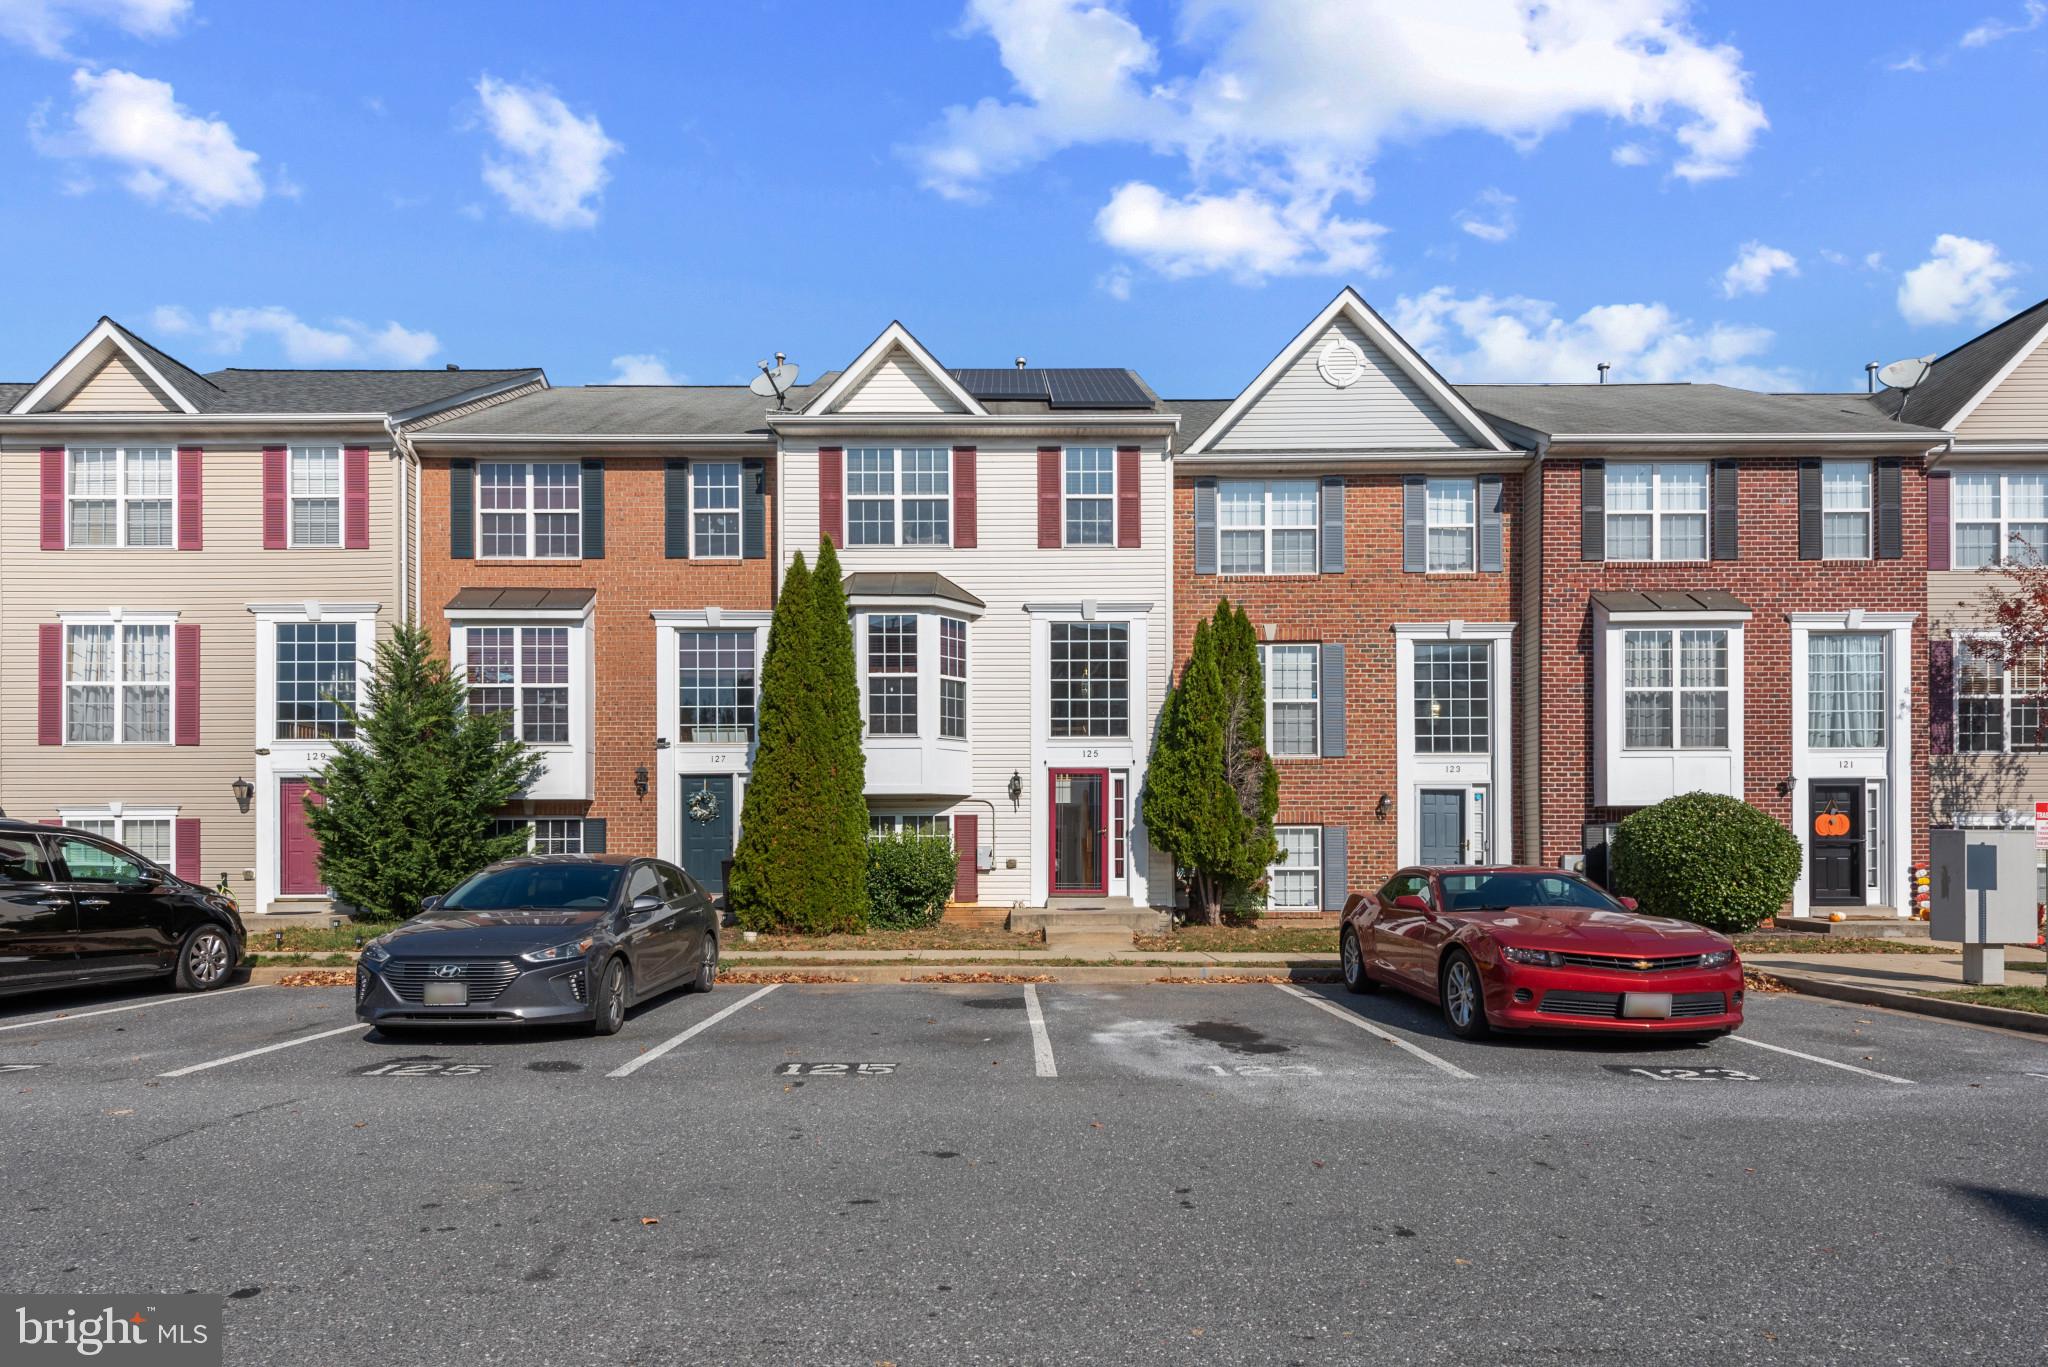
(1666, 600)
(10, 394)
(908, 584)
(521, 600)
(1196, 417)
(1706, 409)
(1961, 372)
(602, 410)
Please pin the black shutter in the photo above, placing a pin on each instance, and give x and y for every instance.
(1726, 520)
(462, 510)
(675, 500)
(1593, 510)
(1205, 526)
(1336, 880)
(1489, 523)
(593, 835)
(1415, 524)
(753, 510)
(1333, 524)
(1888, 541)
(1809, 510)
(1330, 687)
(593, 510)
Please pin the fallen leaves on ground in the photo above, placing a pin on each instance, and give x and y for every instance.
(1757, 981)
(321, 977)
(1251, 978)
(650, 1219)
(746, 977)
(982, 978)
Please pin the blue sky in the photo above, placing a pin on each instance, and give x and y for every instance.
(1764, 194)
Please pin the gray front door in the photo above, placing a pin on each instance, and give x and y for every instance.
(1440, 816)
(707, 829)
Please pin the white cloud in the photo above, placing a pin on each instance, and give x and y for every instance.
(1289, 104)
(170, 155)
(1244, 234)
(341, 342)
(642, 368)
(2033, 12)
(550, 165)
(45, 27)
(1965, 280)
(1632, 154)
(1484, 338)
(1873, 261)
(1753, 267)
(1115, 282)
(1491, 218)
(1912, 61)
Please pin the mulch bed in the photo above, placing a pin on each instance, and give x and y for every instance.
(1252, 978)
(319, 977)
(982, 978)
(746, 977)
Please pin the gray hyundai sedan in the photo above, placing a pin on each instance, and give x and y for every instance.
(542, 939)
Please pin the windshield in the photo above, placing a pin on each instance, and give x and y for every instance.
(1480, 891)
(540, 887)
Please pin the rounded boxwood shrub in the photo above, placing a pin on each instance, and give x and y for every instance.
(909, 879)
(1706, 858)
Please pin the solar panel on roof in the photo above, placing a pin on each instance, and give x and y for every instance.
(1095, 389)
(1010, 383)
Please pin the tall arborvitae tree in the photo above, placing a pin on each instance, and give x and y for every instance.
(1247, 762)
(406, 806)
(842, 762)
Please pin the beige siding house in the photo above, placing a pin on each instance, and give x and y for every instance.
(192, 567)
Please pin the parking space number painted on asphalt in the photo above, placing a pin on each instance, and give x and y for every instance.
(423, 1068)
(1683, 1074)
(836, 1069)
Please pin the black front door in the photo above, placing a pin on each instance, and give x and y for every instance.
(707, 829)
(1834, 841)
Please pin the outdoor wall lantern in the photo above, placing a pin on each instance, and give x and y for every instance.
(1383, 806)
(243, 790)
(1016, 787)
(640, 780)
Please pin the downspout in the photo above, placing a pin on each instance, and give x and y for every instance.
(408, 536)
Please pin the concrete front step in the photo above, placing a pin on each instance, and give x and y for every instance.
(1070, 942)
(1873, 924)
(1099, 914)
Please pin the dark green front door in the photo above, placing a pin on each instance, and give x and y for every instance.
(707, 829)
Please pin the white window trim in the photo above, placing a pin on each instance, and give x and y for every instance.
(1265, 529)
(1657, 513)
(1493, 686)
(896, 498)
(965, 680)
(1868, 510)
(120, 495)
(292, 500)
(1128, 753)
(1429, 524)
(120, 813)
(738, 513)
(2003, 522)
(1315, 902)
(1963, 641)
(518, 684)
(895, 820)
(531, 823)
(1111, 498)
(118, 618)
(1134, 683)
(674, 760)
(1492, 772)
(1315, 649)
(1676, 689)
(568, 770)
(529, 512)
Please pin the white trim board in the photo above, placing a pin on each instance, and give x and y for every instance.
(864, 366)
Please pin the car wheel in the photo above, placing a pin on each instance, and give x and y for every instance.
(205, 960)
(1356, 979)
(609, 1015)
(1463, 998)
(707, 972)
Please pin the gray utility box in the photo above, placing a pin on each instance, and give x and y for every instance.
(1983, 887)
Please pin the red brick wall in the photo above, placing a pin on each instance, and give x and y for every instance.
(1770, 578)
(633, 579)
(1358, 608)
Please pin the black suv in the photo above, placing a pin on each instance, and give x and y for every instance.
(77, 909)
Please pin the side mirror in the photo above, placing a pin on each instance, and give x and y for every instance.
(1627, 903)
(429, 903)
(1408, 901)
(646, 904)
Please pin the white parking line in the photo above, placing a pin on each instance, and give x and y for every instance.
(1041, 1043)
(1352, 1018)
(266, 1049)
(699, 1028)
(1816, 1058)
(132, 1006)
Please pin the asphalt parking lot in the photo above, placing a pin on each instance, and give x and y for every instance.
(996, 1173)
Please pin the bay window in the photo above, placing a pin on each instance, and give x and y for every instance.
(1845, 691)
(117, 683)
(120, 495)
(952, 678)
(1267, 526)
(1657, 512)
(531, 509)
(1999, 516)
(1998, 710)
(899, 496)
(1090, 683)
(892, 674)
(523, 674)
(1675, 689)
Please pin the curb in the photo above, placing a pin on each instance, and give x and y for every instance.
(2028, 1022)
(269, 973)
(1087, 973)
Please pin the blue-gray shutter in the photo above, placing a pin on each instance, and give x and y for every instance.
(462, 510)
(1489, 523)
(1887, 540)
(675, 504)
(1333, 524)
(1593, 510)
(1330, 695)
(1727, 518)
(1335, 881)
(593, 510)
(1415, 524)
(753, 510)
(593, 835)
(1205, 526)
(1809, 510)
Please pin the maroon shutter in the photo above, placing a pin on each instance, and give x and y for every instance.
(1937, 520)
(355, 498)
(1129, 509)
(1941, 697)
(966, 872)
(49, 684)
(965, 533)
(832, 493)
(53, 498)
(1049, 497)
(191, 499)
(275, 537)
(187, 841)
(53, 821)
(185, 685)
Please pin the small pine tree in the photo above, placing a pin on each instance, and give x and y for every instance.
(842, 762)
(1248, 765)
(406, 805)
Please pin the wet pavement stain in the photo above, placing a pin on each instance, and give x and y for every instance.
(1238, 1039)
(553, 1065)
(995, 1003)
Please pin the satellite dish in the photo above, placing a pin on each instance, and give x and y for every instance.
(1904, 374)
(774, 381)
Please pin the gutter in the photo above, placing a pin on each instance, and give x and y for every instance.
(595, 440)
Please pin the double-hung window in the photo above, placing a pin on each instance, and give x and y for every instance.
(715, 678)
(1845, 691)
(544, 834)
(531, 509)
(899, 496)
(715, 509)
(523, 673)
(315, 495)
(117, 683)
(1845, 510)
(1090, 487)
(148, 836)
(885, 824)
(1267, 526)
(1999, 516)
(121, 495)
(952, 678)
(316, 680)
(1295, 883)
(892, 674)
(1675, 689)
(1291, 702)
(1657, 512)
(1091, 679)
(1998, 709)
(1453, 520)
(1453, 697)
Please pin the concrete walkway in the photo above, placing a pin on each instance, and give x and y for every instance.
(1898, 972)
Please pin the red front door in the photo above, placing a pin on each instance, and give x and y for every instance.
(298, 872)
(1080, 830)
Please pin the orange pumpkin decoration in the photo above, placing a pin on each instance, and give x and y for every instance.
(1831, 822)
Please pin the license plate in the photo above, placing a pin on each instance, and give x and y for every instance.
(1651, 1006)
(457, 994)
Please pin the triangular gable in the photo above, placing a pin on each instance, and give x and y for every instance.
(91, 365)
(2011, 401)
(1348, 381)
(895, 374)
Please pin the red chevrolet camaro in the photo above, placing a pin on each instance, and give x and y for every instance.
(1536, 949)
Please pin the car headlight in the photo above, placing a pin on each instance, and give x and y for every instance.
(1535, 958)
(1715, 958)
(375, 952)
(553, 954)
